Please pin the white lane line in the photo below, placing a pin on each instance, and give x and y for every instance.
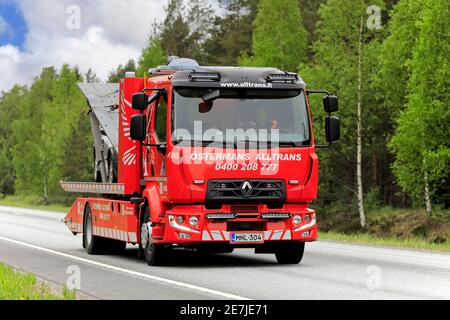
(130, 272)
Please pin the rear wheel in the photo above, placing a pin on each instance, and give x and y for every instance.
(153, 253)
(291, 253)
(98, 245)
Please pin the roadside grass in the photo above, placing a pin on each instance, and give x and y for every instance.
(407, 228)
(15, 285)
(365, 238)
(31, 202)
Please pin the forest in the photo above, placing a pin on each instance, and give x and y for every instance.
(388, 61)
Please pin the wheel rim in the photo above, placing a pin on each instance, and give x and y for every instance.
(88, 229)
(146, 236)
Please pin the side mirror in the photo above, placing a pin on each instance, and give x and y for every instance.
(140, 101)
(138, 127)
(333, 129)
(331, 104)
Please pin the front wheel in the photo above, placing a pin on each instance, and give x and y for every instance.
(291, 253)
(154, 253)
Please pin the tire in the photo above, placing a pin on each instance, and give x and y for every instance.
(97, 245)
(291, 253)
(154, 254)
(93, 244)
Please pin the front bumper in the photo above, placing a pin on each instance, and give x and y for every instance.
(219, 231)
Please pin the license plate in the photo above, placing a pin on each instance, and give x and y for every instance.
(247, 238)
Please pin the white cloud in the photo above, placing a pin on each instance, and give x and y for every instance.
(111, 32)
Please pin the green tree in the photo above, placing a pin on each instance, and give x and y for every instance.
(396, 53)
(231, 35)
(9, 112)
(27, 132)
(116, 75)
(279, 36)
(310, 14)
(152, 56)
(200, 24)
(422, 141)
(175, 30)
(77, 151)
(59, 115)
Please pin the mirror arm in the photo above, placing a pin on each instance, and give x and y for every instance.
(317, 91)
(324, 146)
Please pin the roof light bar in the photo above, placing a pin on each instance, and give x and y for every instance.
(276, 215)
(221, 216)
(283, 77)
(204, 77)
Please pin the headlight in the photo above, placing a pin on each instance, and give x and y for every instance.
(297, 219)
(307, 218)
(180, 219)
(193, 221)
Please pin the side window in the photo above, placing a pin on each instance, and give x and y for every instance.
(161, 121)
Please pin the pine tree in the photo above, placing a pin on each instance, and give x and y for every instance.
(200, 20)
(231, 35)
(175, 31)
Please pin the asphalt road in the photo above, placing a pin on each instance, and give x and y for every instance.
(37, 242)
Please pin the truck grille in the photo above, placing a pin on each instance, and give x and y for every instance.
(246, 190)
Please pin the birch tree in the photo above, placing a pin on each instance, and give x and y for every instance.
(344, 55)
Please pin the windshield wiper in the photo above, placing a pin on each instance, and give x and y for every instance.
(287, 143)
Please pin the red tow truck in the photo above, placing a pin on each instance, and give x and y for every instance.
(206, 158)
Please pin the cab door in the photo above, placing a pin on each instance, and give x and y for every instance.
(158, 134)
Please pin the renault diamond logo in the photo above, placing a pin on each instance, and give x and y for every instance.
(247, 189)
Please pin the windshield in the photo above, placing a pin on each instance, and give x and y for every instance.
(249, 116)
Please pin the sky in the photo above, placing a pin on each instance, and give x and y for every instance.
(97, 34)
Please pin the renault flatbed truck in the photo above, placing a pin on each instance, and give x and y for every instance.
(205, 158)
